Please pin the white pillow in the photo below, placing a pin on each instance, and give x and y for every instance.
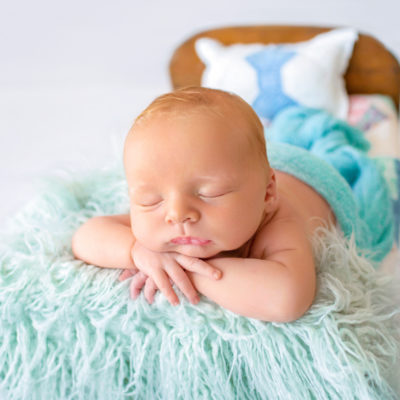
(272, 77)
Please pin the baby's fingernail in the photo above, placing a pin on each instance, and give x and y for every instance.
(217, 274)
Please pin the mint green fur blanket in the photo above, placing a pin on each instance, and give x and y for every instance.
(70, 331)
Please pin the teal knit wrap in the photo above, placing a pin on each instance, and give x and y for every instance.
(331, 156)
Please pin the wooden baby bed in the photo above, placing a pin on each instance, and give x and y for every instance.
(372, 69)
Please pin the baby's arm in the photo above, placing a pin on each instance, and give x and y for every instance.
(105, 241)
(280, 287)
(108, 242)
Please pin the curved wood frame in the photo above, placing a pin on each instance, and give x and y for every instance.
(372, 69)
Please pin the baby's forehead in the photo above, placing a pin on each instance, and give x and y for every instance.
(204, 145)
(195, 123)
(198, 142)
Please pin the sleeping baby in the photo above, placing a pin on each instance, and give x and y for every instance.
(208, 214)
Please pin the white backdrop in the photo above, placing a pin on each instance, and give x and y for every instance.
(74, 74)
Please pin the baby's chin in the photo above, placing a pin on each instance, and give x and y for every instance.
(196, 251)
(207, 251)
(204, 253)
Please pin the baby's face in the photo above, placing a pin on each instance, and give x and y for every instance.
(195, 186)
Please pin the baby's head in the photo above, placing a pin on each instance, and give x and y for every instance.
(198, 173)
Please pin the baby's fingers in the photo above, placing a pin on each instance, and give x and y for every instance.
(163, 283)
(126, 274)
(180, 278)
(137, 283)
(199, 266)
(150, 288)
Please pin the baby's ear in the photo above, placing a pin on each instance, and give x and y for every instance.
(271, 193)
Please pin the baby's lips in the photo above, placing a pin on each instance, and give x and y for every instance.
(190, 240)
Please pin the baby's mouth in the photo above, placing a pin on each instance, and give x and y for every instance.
(190, 240)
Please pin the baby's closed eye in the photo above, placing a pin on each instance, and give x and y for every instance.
(154, 201)
(212, 194)
(149, 201)
(214, 191)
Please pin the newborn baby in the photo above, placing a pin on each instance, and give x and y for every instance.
(207, 212)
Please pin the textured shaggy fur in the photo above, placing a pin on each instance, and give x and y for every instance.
(70, 331)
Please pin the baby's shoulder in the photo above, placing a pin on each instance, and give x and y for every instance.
(285, 230)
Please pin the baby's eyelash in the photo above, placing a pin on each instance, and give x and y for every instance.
(150, 204)
(210, 197)
(213, 196)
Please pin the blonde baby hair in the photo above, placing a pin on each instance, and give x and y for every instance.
(182, 102)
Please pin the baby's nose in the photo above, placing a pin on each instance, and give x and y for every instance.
(180, 211)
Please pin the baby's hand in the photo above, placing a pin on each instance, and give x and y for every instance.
(167, 268)
(138, 281)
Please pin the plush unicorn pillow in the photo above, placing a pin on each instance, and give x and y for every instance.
(272, 77)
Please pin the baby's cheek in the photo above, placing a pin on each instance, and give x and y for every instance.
(147, 232)
(222, 223)
(236, 227)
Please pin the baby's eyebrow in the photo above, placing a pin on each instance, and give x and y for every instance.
(140, 186)
(223, 178)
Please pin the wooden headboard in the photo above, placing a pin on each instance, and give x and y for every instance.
(372, 69)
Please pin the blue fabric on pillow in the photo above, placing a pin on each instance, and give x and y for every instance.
(273, 77)
(268, 64)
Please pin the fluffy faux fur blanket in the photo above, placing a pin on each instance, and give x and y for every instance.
(70, 331)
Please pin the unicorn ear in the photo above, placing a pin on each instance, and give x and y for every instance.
(207, 49)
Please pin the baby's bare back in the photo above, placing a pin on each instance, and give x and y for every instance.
(302, 199)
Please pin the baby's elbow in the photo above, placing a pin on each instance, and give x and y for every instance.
(296, 305)
(75, 244)
(292, 313)
(300, 294)
(79, 240)
(292, 305)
